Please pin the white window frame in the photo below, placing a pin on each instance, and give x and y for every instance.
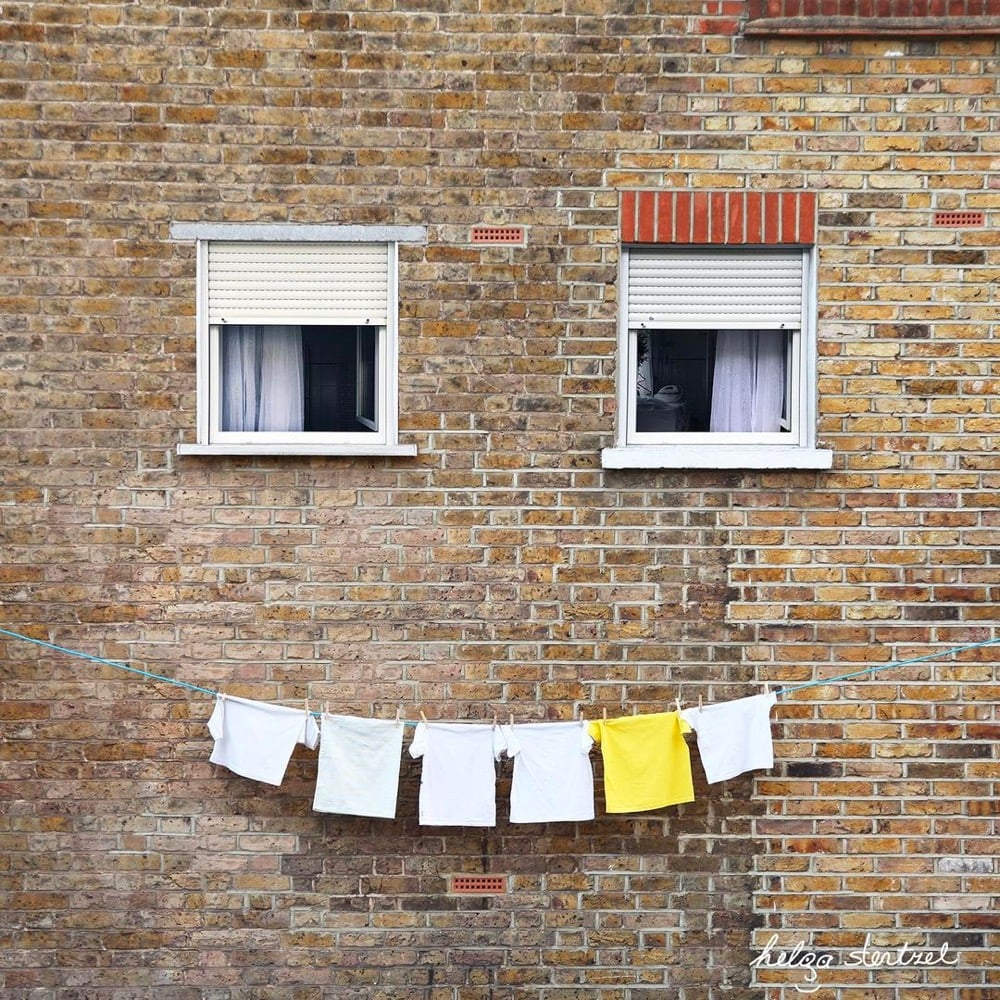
(716, 450)
(383, 438)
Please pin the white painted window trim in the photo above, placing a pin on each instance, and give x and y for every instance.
(385, 442)
(688, 450)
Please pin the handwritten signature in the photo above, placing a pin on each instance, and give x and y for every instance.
(809, 962)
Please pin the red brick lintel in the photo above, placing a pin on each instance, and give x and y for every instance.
(866, 27)
(719, 217)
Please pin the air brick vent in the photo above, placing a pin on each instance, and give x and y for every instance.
(959, 219)
(498, 234)
(479, 885)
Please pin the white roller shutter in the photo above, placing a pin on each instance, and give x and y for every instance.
(298, 283)
(708, 289)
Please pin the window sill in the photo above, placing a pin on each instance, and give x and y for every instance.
(715, 457)
(331, 450)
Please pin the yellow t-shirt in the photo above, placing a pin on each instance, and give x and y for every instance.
(647, 764)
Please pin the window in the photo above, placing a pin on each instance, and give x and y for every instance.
(297, 340)
(716, 351)
(714, 346)
(294, 378)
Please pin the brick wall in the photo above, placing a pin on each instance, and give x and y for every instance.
(501, 569)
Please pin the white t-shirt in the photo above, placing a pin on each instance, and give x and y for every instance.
(553, 778)
(255, 739)
(458, 777)
(734, 736)
(358, 772)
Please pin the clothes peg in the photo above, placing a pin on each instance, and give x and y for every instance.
(677, 703)
(701, 703)
(512, 718)
(399, 712)
(423, 718)
(605, 714)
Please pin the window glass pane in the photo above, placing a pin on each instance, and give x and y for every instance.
(367, 364)
(332, 379)
(262, 385)
(712, 380)
(291, 378)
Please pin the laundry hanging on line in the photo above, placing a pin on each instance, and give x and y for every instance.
(458, 775)
(751, 750)
(647, 764)
(358, 770)
(735, 736)
(553, 778)
(255, 739)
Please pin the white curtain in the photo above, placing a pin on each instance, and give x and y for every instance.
(263, 386)
(748, 387)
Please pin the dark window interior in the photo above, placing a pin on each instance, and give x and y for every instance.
(291, 378)
(680, 364)
(331, 378)
(679, 372)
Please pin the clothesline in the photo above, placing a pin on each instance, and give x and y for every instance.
(885, 666)
(108, 663)
(780, 692)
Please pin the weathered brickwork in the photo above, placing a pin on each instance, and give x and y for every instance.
(502, 569)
